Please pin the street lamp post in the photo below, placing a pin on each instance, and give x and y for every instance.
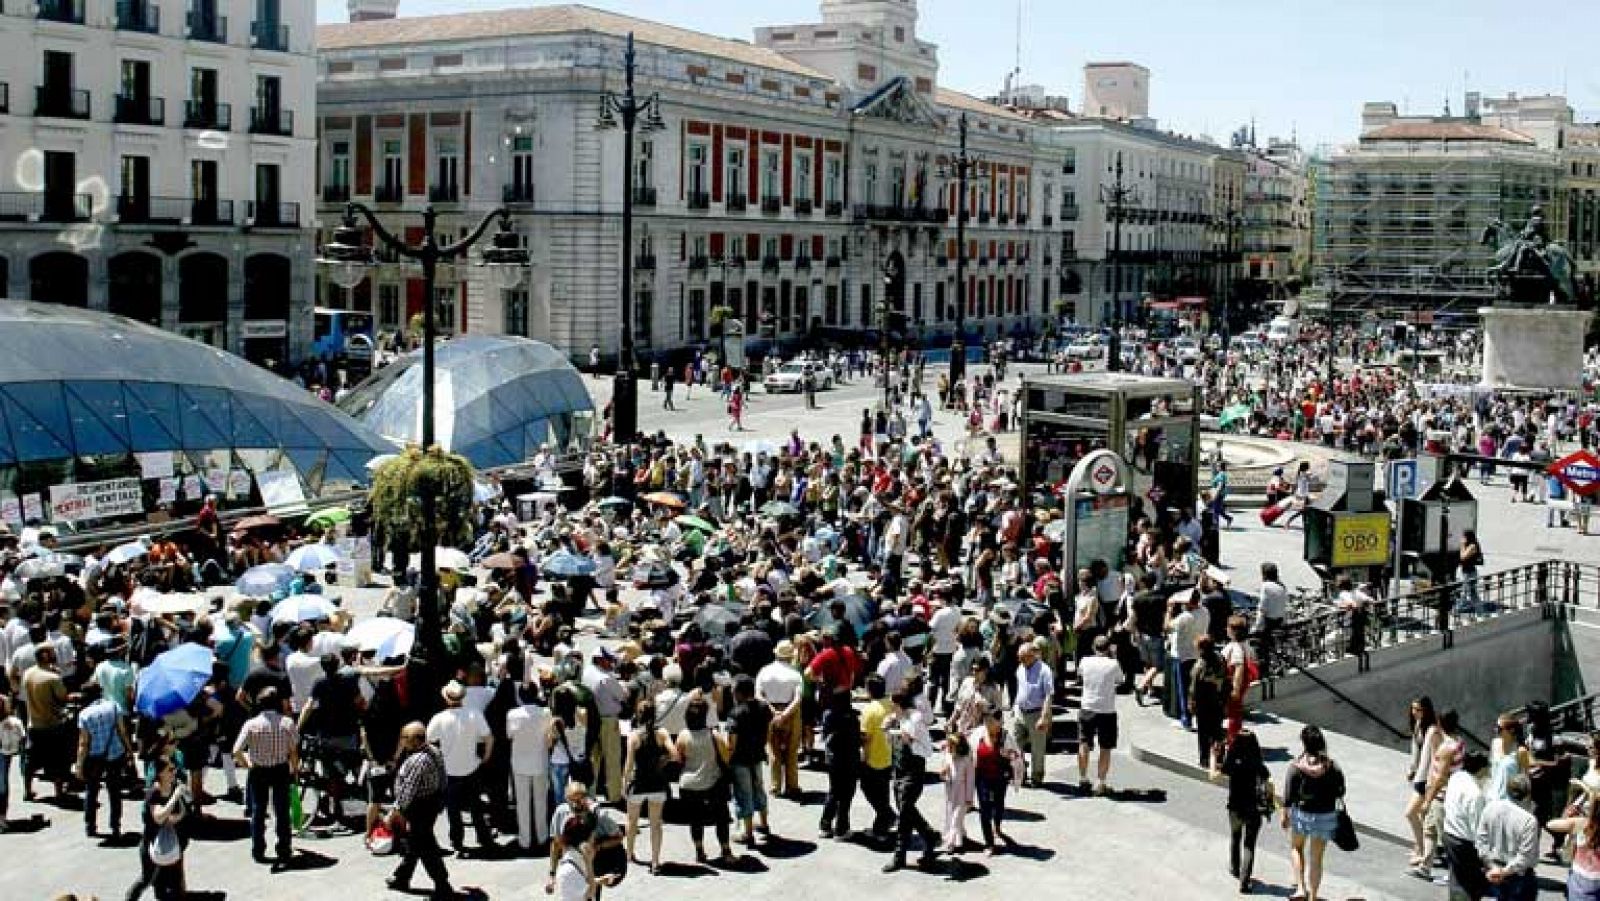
(963, 165)
(635, 113)
(1118, 195)
(348, 259)
(1232, 223)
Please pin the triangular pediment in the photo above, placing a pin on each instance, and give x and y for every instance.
(897, 101)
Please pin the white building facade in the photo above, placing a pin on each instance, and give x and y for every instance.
(161, 164)
(784, 178)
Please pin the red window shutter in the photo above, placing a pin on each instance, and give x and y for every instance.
(417, 168)
(816, 172)
(716, 163)
(752, 168)
(717, 244)
(788, 169)
(466, 153)
(463, 307)
(817, 246)
(363, 154)
(786, 247)
(752, 246)
(414, 300)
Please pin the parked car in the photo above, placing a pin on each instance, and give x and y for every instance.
(790, 377)
(1091, 347)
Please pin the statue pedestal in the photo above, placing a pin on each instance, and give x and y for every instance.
(1534, 348)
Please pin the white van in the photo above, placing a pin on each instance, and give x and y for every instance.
(1283, 331)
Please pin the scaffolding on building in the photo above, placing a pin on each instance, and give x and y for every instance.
(1400, 224)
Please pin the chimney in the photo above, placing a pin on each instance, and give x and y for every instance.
(369, 10)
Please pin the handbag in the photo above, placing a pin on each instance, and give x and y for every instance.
(671, 768)
(611, 860)
(579, 771)
(165, 849)
(1266, 802)
(1344, 833)
(381, 841)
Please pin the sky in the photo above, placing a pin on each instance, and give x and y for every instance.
(1295, 67)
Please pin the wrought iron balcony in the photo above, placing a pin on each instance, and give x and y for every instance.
(141, 110)
(387, 193)
(450, 193)
(335, 193)
(165, 210)
(802, 206)
(274, 215)
(699, 263)
(139, 15)
(802, 264)
(278, 122)
(983, 260)
(941, 261)
(516, 192)
(215, 116)
(1022, 218)
(1069, 212)
(769, 264)
(771, 204)
(68, 11)
(1003, 218)
(644, 262)
(61, 103)
(61, 206)
(1048, 220)
(833, 209)
(983, 217)
(269, 36)
(734, 203)
(832, 261)
(698, 200)
(210, 28)
(644, 195)
(210, 211)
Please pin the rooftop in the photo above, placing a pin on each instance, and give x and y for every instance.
(546, 20)
(967, 103)
(1446, 131)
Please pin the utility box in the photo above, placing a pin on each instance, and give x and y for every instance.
(1348, 526)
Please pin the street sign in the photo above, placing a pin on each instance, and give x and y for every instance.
(1401, 480)
(1103, 478)
(1578, 471)
(1360, 539)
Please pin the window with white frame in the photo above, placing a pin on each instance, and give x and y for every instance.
(644, 164)
(735, 186)
(444, 310)
(516, 312)
(802, 176)
(447, 166)
(522, 167)
(869, 185)
(897, 185)
(833, 179)
(388, 307)
(394, 166)
(771, 174)
(698, 182)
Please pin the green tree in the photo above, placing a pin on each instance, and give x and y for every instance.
(397, 488)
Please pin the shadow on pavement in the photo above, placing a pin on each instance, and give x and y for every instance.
(217, 829)
(673, 870)
(304, 860)
(780, 848)
(741, 863)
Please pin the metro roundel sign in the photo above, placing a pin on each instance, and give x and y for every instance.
(1580, 472)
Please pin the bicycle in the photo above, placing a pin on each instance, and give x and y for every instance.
(329, 790)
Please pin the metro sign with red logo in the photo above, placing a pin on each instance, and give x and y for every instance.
(1580, 472)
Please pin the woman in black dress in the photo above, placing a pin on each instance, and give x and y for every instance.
(1249, 801)
(166, 804)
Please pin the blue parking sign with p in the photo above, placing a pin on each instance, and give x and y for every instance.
(1402, 480)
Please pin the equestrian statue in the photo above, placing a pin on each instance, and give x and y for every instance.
(1529, 268)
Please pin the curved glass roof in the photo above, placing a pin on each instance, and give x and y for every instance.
(77, 383)
(498, 398)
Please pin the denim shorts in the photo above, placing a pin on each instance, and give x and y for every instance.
(1314, 825)
(749, 794)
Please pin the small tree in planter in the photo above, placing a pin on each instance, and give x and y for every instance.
(398, 486)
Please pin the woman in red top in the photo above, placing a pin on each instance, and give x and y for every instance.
(993, 773)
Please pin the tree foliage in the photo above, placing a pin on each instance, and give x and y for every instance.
(398, 486)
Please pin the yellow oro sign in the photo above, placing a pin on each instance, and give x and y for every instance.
(1360, 539)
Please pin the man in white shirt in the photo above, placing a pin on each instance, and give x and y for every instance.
(778, 685)
(673, 701)
(303, 666)
(908, 734)
(1463, 807)
(1097, 718)
(1185, 625)
(526, 728)
(1031, 698)
(942, 628)
(609, 697)
(459, 732)
(895, 536)
(896, 666)
(1271, 613)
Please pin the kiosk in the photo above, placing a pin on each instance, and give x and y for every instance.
(1151, 423)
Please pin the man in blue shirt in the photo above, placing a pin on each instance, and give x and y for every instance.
(102, 757)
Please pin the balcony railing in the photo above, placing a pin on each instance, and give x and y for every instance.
(733, 262)
(210, 28)
(983, 260)
(60, 206)
(698, 200)
(171, 210)
(211, 212)
(833, 209)
(1002, 260)
(271, 122)
(771, 205)
(983, 217)
(139, 15)
(644, 262)
(335, 193)
(832, 261)
(802, 264)
(388, 194)
(1069, 254)
(141, 110)
(699, 263)
(644, 195)
(215, 116)
(274, 215)
(1048, 220)
(941, 261)
(1003, 218)
(769, 264)
(1069, 212)
(517, 192)
(450, 193)
(802, 206)
(735, 203)
(69, 11)
(269, 36)
(1022, 218)
(61, 103)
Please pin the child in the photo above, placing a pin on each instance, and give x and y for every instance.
(12, 738)
(958, 775)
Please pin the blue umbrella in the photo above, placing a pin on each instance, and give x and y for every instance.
(310, 558)
(564, 564)
(173, 679)
(265, 580)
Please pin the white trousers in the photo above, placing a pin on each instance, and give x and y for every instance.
(533, 807)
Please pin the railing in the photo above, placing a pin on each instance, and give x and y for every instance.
(802, 264)
(1003, 218)
(215, 116)
(1048, 220)
(802, 206)
(699, 263)
(61, 103)
(833, 209)
(769, 264)
(68, 11)
(269, 36)
(444, 193)
(1069, 212)
(140, 110)
(66, 207)
(210, 28)
(983, 217)
(274, 215)
(16, 206)
(699, 200)
(644, 195)
(139, 15)
(206, 211)
(134, 209)
(734, 203)
(644, 263)
(832, 262)
(271, 122)
(771, 205)
(388, 194)
(517, 192)
(335, 193)
(941, 261)
(1329, 635)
